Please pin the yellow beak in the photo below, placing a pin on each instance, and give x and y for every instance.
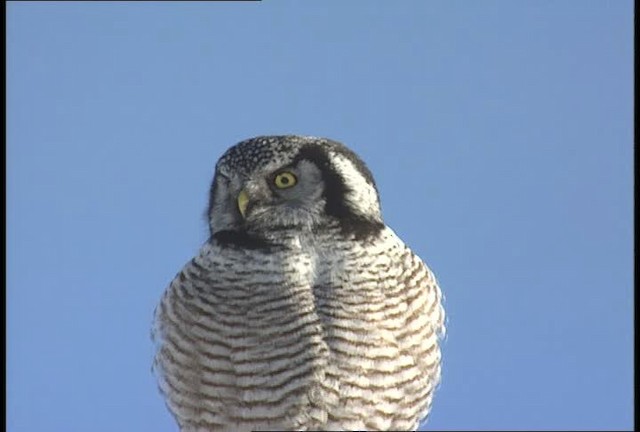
(243, 200)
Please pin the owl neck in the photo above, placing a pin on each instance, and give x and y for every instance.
(355, 228)
(241, 239)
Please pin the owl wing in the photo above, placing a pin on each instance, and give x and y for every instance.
(383, 318)
(424, 324)
(240, 347)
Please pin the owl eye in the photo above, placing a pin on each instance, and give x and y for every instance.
(285, 180)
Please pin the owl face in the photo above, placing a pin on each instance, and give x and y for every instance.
(271, 183)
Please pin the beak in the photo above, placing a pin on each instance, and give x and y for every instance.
(243, 201)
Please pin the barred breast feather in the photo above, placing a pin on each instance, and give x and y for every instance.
(313, 332)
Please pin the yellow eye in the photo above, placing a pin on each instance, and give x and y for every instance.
(285, 180)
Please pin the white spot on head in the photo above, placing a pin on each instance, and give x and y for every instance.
(361, 196)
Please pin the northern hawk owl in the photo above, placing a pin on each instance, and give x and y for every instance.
(303, 310)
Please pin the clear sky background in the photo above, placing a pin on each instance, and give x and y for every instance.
(499, 132)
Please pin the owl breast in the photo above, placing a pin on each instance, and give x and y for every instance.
(311, 334)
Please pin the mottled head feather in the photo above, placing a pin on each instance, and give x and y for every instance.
(349, 195)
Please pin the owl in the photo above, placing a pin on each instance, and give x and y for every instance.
(302, 310)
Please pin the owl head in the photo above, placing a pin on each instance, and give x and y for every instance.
(270, 183)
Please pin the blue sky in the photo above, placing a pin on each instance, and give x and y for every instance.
(500, 135)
